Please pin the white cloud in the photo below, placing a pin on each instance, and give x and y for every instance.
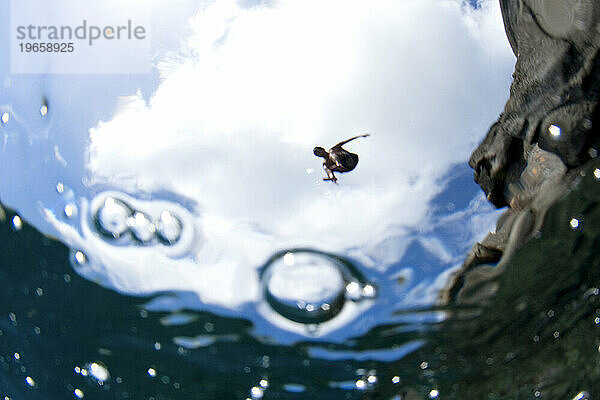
(232, 127)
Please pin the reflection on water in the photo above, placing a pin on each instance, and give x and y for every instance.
(198, 180)
(64, 336)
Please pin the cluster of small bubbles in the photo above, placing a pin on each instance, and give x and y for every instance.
(366, 380)
(554, 130)
(434, 393)
(115, 218)
(17, 223)
(5, 117)
(78, 393)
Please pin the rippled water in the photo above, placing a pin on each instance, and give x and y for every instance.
(64, 336)
(191, 249)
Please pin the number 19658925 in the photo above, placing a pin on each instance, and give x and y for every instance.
(46, 47)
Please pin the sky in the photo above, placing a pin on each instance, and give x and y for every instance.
(224, 127)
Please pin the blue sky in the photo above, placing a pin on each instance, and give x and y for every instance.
(225, 126)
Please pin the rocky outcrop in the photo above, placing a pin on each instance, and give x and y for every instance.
(548, 131)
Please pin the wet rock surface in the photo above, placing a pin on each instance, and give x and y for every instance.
(534, 154)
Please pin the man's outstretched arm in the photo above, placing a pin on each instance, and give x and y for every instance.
(340, 144)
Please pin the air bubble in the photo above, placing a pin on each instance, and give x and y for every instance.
(582, 396)
(5, 117)
(305, 287)
(597, 174)
(78, 393)
(256, 393)
(70, 210)
(43, 110)
(30, 381)
(555, 131)
(80, 258)
(17, 223)
(574, 223)
(112, 217)
(361, 384)
(141, 227)
(368, 291)
(98, 371)
(353, 290)
(168, 227)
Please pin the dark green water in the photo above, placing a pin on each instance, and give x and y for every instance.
(538, 338)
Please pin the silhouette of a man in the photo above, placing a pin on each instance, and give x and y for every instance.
(337, 159)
